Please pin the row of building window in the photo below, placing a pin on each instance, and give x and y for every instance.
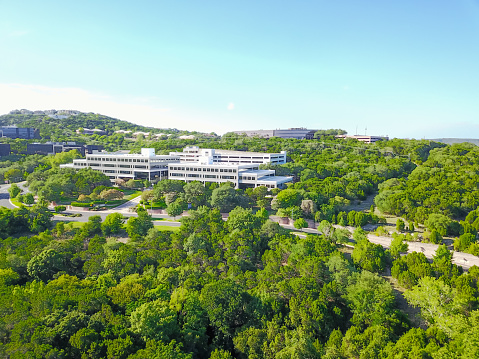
(197, 175)
(108, 159)
(205, 169)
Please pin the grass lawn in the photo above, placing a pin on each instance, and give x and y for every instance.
(130, 194)
(167, 228)
(16, 203)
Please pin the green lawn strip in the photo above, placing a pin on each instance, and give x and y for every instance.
(129, 195)
(17, 203)
(167, 228)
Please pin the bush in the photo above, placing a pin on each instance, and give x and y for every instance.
(81, 204)
(59, 209)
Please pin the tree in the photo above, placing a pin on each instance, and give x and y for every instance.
(398, 246)
(436, 300)
(194, 193)
(44, 265)
(226, 304)
(93, 226)
(39, 218)
(242, 219)
(14, 190)
(464, 242)
(155, 320)
(113, 223)
(111, 194)
(308, 207)
(13, 175)
(300, 223)
(371, 300)
(438, 222)
(175, 208)
(259, 195)
(288, 198)
(224, 198)
(138, 226)
(400, 225)
(369, 256)
(28, 199)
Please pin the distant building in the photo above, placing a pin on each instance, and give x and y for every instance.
(364, 138)
(57, 147)
(299, 133)
(91, 131)
(19, 132)
(4, 149)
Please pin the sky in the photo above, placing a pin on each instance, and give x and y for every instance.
(407, 69)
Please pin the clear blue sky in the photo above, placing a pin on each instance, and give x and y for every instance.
(398, 68)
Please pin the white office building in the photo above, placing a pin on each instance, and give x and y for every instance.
(146, 165)
(193, 164)
(203, 167)
(194, 153)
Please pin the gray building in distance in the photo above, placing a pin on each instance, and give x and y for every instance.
(57, 147)
(299, 133)
(18, 132)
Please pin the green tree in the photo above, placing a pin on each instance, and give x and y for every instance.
(175, 208)
(464, 242)
(155, 320)
(44, 265)
(14, 190)
(398, 246)
(111, 194)
(138, 226)
(28, 199)
(400, 225)
(371, 300)
(224, 198)
(369, 256)
(194, 193)
(113, 223)
(300, 223)
(241, 218)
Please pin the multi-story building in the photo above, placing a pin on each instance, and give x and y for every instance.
(57, 147)
(243, 171)
(146, 165)
(18, 132)
(194, 153)
(364, 138)
(299, 133)
(91, 131)
(193, 164)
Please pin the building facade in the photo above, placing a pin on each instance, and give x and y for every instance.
(193, 164)
(237, 167)
(50, 148)
(146, 165)
(364, 138)
(18, 132)
(194, 153)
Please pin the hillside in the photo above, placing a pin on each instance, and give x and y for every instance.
(48, 124)
(450, 141)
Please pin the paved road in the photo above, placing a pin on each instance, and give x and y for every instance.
(464, 260)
